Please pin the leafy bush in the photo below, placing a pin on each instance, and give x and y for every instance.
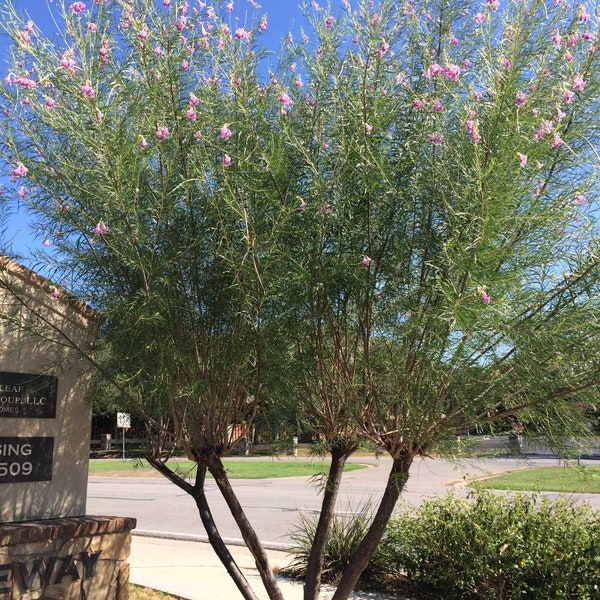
(487, 546)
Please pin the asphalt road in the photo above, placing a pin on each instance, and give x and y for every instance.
(274, 505)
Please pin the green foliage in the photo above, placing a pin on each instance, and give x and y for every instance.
(352, 244)
(487, 546)
(346, 533)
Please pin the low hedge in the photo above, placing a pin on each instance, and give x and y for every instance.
(495, 547)
(483, 546)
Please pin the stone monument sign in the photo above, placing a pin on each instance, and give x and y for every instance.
(49, 548)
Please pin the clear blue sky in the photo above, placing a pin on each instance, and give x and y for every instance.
(283, 16)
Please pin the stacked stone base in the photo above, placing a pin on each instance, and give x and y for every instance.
(79, 558)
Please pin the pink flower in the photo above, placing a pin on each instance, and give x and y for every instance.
(194, 99)
(506, 63)
(77, 7)
(92, 27)
(49, 102)
(100, 228)
(485, 298)
(55, 293)
(579, 83)
(368, 128)
(452, 72)
(569, 96)
(88, 91)
(190, 113)
(436, 138)
(538, 189)
(302, 205)
(103, 51)
(557, 141)
(46, 243)
(20, 171)
(438, 106)
(582, 15)
(521, 98)
(522, 159)
(22, 193)
(158, 51)
(242, 35)
(285, 100)
(262, 26)
(479, 18)
(229, 7)
(556, 38)
(329, 22)
(25, 82)
(435, 70)
(226, 160)
(399, 78)
(544, 128)
(225, 132)
(66, 62)
(143, 143)
(143, 35)
(162, 133)
(580, 199)
(383, 49)
(366, 261)
(326, 209)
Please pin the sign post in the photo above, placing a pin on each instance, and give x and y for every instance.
(124, 422)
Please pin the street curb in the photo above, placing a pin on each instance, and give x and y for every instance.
(190, 537)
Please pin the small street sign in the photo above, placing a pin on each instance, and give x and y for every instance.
(123, 420)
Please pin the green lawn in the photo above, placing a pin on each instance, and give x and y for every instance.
(574, 479)
(236, 469)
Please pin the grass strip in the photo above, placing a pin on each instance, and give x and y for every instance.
(569, 479)
(236, 469)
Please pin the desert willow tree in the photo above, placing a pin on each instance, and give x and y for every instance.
(446, 264)
(409, 200)
(141, 140)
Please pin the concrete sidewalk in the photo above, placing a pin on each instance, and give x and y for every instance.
(191, 570)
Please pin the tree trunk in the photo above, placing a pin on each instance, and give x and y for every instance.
(215, 466)
(214, 537)
(316, 559)
(396, 481)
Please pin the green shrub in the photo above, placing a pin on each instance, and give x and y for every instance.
(495, 547)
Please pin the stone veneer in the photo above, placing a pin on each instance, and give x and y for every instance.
(66, 559)
(41, 335)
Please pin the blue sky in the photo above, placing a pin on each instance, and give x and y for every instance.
(283, 16)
